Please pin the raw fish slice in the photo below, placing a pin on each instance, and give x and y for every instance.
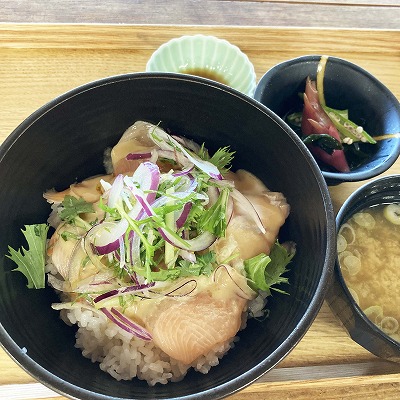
(89, 190)
(135, 140)
(68, 256)
(187, 328)
(242, 234)
(60, 251)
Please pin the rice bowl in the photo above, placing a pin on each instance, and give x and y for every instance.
(105, 109)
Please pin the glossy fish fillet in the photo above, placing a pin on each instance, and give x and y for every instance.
(89, 190)
(243, 235)
(188, 328)
(134, 140)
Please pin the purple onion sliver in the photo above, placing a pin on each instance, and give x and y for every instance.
(115, 190)
(201, 242)
(139, 329)
(183, 215)
(218, 177)
(137, 156)
(141, 335)
(185, 171)
(108, 248)
(146, 206)
(120, 291)
(106, 295)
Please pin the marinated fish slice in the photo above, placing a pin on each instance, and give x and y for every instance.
(135, 140)
(242, 234)
(188, 328)
(89, 190)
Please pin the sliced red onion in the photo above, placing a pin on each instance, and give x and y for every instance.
(115, 192)
(213, 194)
(124, 290)
(147, 177)
(92, 254)
(137, 156)
(181, 217)
(188, 255)
(184, 171)
(143, 202)
(121, 252)
(105, 236)
(185, 196)
(200, 242)
(134, 243)
(167, 142)
(248, 206)
(126, 324)
(100, 282)
(187, 184)
(105, 185)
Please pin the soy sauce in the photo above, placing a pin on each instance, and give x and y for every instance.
(206, 73)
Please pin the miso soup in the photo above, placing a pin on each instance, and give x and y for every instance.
(369, 258)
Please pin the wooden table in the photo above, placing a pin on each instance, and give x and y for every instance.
(366, 14)
(38, 62)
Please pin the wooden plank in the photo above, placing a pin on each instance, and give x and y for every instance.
(381, 3)
(149, 37)
(326, 13)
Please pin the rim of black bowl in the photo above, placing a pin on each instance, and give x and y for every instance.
(345, 212)
(70, 390)
(339, 177)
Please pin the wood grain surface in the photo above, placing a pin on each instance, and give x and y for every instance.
(368, 14)
(39, 62)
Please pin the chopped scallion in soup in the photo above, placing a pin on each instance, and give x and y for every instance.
(369, 258)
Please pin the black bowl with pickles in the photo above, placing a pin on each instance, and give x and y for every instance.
(363, 112)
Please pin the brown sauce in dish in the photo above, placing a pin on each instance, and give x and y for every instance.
(206, 73)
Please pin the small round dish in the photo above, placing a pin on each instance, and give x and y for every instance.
(346, 86)
(339, 297)
(206, 56)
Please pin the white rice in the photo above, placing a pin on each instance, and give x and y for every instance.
(125, 357)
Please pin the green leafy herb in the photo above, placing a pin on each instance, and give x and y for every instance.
(214, 219)
(266, 271)
(204, 265)
(31, 261)
(222, 158)
(72, 207)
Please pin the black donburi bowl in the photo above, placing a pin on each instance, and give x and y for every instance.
(64, 141)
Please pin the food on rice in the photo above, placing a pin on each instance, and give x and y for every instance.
(161, 261)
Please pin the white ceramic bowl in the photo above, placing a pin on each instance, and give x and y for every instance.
(206, 56)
